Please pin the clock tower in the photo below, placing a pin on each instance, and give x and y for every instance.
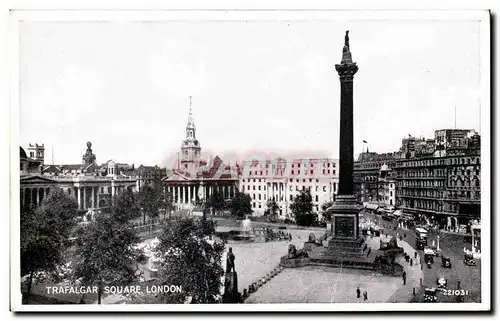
(190, 148)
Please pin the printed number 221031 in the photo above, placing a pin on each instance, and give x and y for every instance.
(455, 292)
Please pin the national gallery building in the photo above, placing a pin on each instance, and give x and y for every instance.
(90, 184)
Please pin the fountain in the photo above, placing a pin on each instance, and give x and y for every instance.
(245, 231)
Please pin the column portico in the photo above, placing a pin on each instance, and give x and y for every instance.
(93, 199)
(79, 198)
(84, 197)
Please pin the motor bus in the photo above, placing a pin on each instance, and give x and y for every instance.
(421, 233)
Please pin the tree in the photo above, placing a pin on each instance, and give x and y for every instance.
(152, 201)
(241, 205)
(104, 247)
(189, 259)
(125, 206)
(217, 202)
(272, 210)
(44, 233)
(327, 217)
(302, 208)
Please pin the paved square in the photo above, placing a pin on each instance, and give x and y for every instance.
(318, 284)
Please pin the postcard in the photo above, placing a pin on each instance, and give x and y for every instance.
(250, 160)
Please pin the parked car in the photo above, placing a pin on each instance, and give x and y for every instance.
(445, 262)
(436, 251)
(430, 295)
(442, 283)
(429, 256)
(469, 260)
(430, 251)
(420, 244)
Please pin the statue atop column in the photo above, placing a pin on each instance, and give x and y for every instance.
(89, 157)
(346, 53)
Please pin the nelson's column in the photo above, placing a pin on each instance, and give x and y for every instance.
(345, 211)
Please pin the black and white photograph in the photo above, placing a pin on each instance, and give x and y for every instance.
(239, 160)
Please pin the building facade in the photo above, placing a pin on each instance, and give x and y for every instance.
(367, 175)
(194, 181)
(150, 175)
(282, 180)
(445, 186)
(386, 187)
(92, 185)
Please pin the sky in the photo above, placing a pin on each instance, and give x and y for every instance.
(259, 88)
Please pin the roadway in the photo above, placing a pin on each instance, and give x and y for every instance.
(451, 245)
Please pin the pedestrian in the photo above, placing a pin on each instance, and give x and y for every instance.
(358, 293)
(404, 235)
(458, 284)
(365, 296)
(415, 254)
(411, 262)
(404, 278)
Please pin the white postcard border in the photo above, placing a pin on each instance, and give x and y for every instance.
(177, 15)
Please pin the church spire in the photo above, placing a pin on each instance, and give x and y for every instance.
(190, 123)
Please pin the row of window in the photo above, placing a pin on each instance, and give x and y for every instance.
(460, 182)
(258, 198)
(297, 188)
(437, 162)
(293, 172)
(464, 172)
(423, 184)
(258, 180)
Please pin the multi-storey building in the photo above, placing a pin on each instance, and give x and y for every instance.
(386, 187)
(150, 175)
(93, 186)
(444, 187)
(453, 141)
(282, 180)
(196, 180)
(416, 147)
(366, 174)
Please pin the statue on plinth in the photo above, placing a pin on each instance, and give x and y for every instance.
(293, 253)
(88, 157)
(230, 261)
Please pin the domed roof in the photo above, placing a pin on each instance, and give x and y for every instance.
(22, 153)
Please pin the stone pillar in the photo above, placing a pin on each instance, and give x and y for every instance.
(37, 190)
(346, 71)
(189, 194)
(93, 197)
(345, 211)
(113, 191)
(178, 194)
(97, 196)
(79, 196)
(84, 197)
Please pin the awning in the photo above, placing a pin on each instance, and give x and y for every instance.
(372, 206)
(397, 213)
